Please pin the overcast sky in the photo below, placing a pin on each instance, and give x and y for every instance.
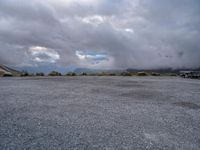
(111, 34)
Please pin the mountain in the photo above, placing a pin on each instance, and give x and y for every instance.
(6, 71)
(163, 70)
(46, 69)
(88, 70)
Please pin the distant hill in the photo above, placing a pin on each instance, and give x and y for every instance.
(132, 70)
(87, 70)
(6, 71)
(46, 69)
(163, 70)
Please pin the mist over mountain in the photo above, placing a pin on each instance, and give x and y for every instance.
(45, 69)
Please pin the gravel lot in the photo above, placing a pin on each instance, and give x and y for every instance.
(111, 113)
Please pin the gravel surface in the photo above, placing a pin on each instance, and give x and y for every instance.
(105, 113)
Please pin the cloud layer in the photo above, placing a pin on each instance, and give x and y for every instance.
(100, 33)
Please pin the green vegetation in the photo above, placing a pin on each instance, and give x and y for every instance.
(71, 74)
(126, 74)
(142, 74)
(83, 74)
(173, 74)
(112, 74)
(102, 74)
(155, 74)
(54, 73)
(24, 74)
(40, 74)
(7, 75)
(8, 72)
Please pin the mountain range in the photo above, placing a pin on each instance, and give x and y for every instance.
(8, 71)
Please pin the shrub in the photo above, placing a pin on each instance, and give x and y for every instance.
(24, 74)
(71, 74)
(83, 74)
(173, 74)
(142, 74)
(39, 74)
(126, 74)
(155, 74)
(7, 75)
(55, 73)
(112, 74)
(101, 74)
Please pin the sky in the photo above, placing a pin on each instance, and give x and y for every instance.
(100, 34)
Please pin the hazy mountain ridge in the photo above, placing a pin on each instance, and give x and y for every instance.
(132, 70)
(88, 70)
(164, 70)
(4, 70)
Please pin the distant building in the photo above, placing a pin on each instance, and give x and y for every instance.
(190, 74)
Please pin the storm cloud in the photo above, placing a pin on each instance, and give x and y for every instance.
(111, 34)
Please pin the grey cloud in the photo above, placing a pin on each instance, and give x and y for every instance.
(164, 33)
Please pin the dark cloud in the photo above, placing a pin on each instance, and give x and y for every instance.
(129, 33)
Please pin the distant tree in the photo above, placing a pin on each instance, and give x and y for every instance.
(39, 74)
(100, 74)
(83, 74)
(112, 74)
(155, 74)
(24, 73)
(71, 74)
(142, 74)
(126, 74)
(7, 74)
(172, 74)
(68, 74)
(55, 73)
